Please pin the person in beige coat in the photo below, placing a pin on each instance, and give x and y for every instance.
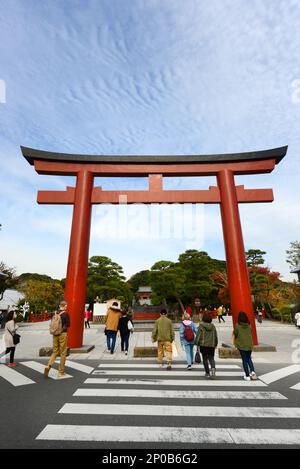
(111, 326)
(10, 328)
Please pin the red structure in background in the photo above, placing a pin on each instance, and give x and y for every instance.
(84, 195)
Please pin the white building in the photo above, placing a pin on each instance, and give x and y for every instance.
(10, 299)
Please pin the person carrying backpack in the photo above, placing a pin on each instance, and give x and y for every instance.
(207, 340)
(187, 332)
(59, 330)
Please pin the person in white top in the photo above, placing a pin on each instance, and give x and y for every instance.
(10, 329)
(297, 319)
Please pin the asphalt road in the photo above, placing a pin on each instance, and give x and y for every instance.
(26, 410)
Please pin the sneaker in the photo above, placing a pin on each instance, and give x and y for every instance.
(247, 378)
(253, 376)
(207, 375)
(161, 365)
(12, 364)
(189, 367)
(111, 352)
(213, 373)
(169, 367)
(46, 371)
(61, 375)
(126, 353)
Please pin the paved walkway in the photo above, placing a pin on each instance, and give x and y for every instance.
(285, 337)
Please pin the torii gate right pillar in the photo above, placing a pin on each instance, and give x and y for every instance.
(238, 278)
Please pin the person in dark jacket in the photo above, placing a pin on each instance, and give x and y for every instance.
(242, 339)
(125, 327)
(207, 340)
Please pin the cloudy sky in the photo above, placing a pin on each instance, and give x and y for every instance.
(146, 77)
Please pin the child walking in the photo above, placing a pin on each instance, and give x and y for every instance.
(242, 338)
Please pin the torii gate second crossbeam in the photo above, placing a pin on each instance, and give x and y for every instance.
(84, 195)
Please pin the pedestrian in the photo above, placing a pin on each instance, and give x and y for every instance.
(9, 332)
(297, 319)
(207, 340)
(259, 315)
(220, 313)
(87, 317)
(111, 326)
(60, 323)
(125, 327)
(242, 339)
(187, 333)
(163, 334)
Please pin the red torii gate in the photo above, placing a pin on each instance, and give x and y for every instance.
(84, 195)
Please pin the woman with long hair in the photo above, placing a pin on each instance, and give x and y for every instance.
(242, 338)
(10, 329)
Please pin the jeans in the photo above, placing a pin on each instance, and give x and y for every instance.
(189, 350)
(124, 342)
(247, 361)
(60, 347)
(111, 340)
(208, 355)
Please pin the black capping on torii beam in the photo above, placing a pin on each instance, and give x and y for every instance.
(32, 154)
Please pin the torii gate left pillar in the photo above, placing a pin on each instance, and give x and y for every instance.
(227, 195)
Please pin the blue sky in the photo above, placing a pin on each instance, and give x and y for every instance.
(146, 77)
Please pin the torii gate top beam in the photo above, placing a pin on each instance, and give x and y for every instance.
(256, 162)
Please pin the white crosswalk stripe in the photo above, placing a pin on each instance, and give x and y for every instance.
(176, 382)
(162, 373)
(78, 366)
(124, 366)
(181, 411)
(39, 367)
(273, 376)
(176, 395)
(238, 436)
(14, 377)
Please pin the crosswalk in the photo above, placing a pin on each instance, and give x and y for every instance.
(17, 377)
(153, 406)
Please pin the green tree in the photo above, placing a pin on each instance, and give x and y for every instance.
(106, 280)
(43, 296)
(198, 268)
(254, 257)
(140, 279)
(167, 282)
(293, 254)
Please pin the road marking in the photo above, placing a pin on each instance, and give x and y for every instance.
(297, 387)
(198, 436)
(181, 411)
(175, 382)
(155, 365)
(154, 373)
(273, 376)
(78, 366)
(178, 394)
(39, 367)
(14, 377)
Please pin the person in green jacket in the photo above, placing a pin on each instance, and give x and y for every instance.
(207, 340)
(242, 339)
(163, 334)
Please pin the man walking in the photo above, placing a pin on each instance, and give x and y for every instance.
(59, 329)
(220, 314)
(163, 334)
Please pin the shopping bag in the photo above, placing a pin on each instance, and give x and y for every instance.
(174, 350)
(197, 357)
